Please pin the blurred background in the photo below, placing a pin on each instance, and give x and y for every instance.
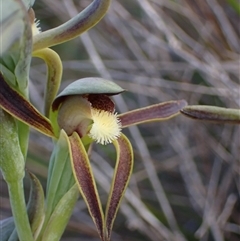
(186, 179)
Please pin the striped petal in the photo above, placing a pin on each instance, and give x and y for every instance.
(16, 105)
(158, 112)
(122, 173)
(84, 177)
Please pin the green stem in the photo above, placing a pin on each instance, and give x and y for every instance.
(19, 211)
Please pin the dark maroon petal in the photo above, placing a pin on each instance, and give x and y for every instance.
(151, 113)
(84, 177)
(122, 174)
(16, 105)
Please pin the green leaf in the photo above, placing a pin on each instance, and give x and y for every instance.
(12, 28)
(212, 113)
(122, 174)
(60, 181)
(61, 215)
(84, 177)
(16, 105)
(35, 205)
(88, 86)
(23, 134)
(12, 24)
(60, 176)
(158, 112)
(85, 20)
(16, 47)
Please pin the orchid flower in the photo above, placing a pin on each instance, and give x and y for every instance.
(85, 113)
(81, 114)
